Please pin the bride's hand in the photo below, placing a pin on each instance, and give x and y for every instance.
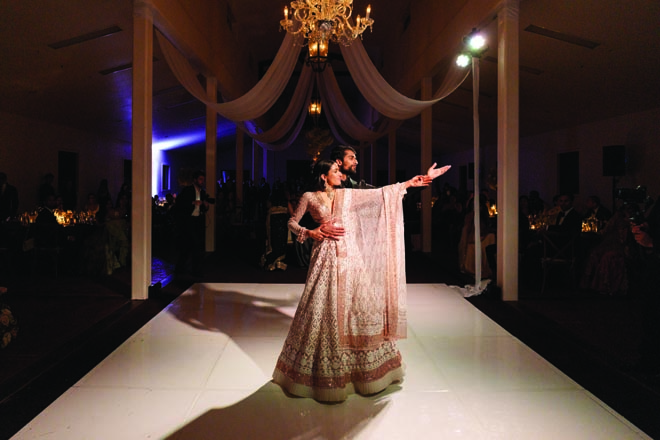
(418, 181)
(434, 172)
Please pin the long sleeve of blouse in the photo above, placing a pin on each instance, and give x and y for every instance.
(293, 224)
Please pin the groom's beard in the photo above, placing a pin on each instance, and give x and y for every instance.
(349, 173)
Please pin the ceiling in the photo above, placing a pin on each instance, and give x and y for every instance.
(87, 85)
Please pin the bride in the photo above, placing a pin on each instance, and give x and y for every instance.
(353, 308)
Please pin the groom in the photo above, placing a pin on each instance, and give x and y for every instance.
(346, 158)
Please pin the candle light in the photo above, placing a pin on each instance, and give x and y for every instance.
(286, 13)
(368, 11)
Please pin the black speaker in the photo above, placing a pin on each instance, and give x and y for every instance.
(614, 160)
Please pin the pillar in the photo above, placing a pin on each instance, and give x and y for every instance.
(508, 149)
(141, 154)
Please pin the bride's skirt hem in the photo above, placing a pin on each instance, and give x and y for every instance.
(337, 394)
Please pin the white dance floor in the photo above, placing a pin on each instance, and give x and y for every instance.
(201, 370)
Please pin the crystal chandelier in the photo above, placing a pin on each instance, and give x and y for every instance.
(322, 21)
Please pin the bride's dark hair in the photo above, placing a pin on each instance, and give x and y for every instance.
(321, 168)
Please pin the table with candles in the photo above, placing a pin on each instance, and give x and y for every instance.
(71, 236)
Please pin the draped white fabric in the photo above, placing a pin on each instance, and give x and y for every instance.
(382, 96)
(255, 103)
(296, 112)
(339, 110)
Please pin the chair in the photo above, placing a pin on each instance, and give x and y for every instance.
(48, 248)
(559, 249)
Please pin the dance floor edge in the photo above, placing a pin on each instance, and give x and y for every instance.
(201, 370)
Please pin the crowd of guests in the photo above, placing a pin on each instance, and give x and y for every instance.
(605, 258)
(605, 254)
(48, 246)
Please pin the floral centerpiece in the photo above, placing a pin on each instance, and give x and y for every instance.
(8, 325)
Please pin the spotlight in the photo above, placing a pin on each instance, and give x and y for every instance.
(462, 60)
(476, 42)
(475, 47)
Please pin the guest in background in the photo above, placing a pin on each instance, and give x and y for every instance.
(647, 235)
(125, 190)
(191, 205)
(8, 199)
(46, 189)
(277, 232)
(466, 245)
(117, 239)
(595, 209)
(69, 195)
(536, 203)
(47, 213)
(568, 220)
(169, 202)
(124, 206)
(103, 193)
(605, 269)
(47, 230)
(525, 234)
(447, 219)
(59, 203)
(264, 197)
(92, 204)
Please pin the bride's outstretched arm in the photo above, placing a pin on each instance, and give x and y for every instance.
(434, 172)
(427, 178)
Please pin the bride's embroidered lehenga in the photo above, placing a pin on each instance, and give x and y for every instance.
(342, 338)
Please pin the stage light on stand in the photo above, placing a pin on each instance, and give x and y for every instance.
(463, 60)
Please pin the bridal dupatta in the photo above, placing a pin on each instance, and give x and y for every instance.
(371, 305)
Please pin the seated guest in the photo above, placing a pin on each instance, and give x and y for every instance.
(277, 232)
(92, 205)
(47, 213)
(605, 270)
(466, 245)
(568, 219)
(8, 199)
(536, 203)
(117, 242)
(525, 234)
(123, 206)
(169, 202)
(46, 189)
(59, 203)
(46, 233)
(594, 208)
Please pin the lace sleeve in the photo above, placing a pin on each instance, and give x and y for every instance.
(293, 224)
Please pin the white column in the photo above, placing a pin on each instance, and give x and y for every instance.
(477, 169)
(211, 161)
(508, 149)
(426, 162)
(141, 156)
(257, 162)
(239, 170)
(264, 163)
(391, 154)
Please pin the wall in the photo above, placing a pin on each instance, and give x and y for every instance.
(639, 132)
(29, 149)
